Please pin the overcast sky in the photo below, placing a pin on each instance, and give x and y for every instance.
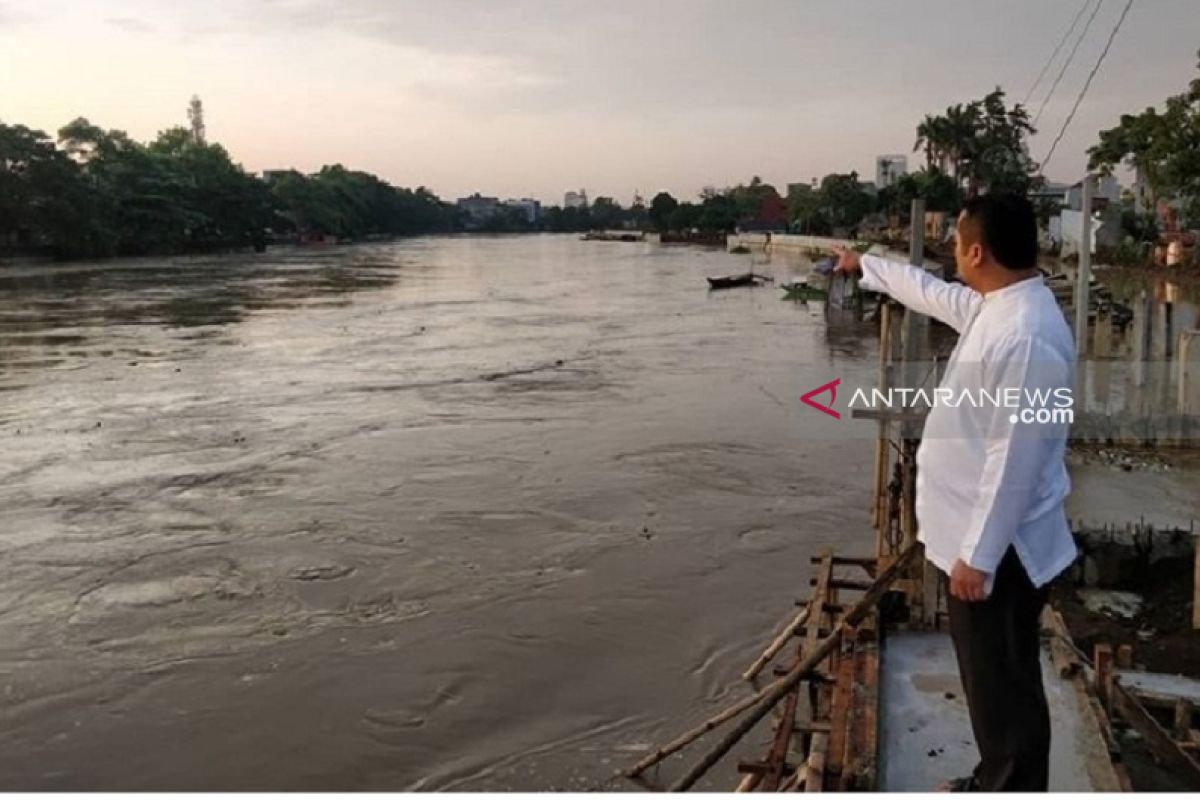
(534, 97)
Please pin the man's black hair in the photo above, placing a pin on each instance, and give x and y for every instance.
(1007, 227)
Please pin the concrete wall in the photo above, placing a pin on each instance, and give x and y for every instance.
(1189, 372)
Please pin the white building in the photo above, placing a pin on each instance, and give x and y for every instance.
(889, 169)
(1107, 187)
(575, 199)
(531, 208)
(477, 207)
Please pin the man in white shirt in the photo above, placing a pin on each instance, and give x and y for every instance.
(991, 479)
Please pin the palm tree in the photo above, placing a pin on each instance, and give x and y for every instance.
(931, 136)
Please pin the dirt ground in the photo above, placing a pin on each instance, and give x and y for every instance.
(1161, 632)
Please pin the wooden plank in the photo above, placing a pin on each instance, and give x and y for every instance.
(845, 583)
(1183, 719)
(868, 564)
(1062, 655)
(843, 697)
(814, 776)
(931, 580)
(1102, 660)
(1156, 738)
(749, 782)
(777, 757)
(859, 766)
(785, 635)
(772, 694)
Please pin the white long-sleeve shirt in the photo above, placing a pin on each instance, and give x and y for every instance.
(987, 479)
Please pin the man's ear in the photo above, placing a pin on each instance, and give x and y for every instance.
(976, 254)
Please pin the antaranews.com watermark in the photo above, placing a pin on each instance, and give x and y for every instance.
(970, 400)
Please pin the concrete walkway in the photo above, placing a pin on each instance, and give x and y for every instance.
(925, 734)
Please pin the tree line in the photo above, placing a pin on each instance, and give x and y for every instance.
(91, 192)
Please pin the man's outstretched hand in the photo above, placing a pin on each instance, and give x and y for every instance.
(968, 583)
(847, 260)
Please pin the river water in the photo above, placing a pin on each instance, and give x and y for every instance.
(476, 513)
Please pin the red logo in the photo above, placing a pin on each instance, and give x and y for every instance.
(831, 387)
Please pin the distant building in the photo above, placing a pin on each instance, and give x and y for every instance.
(575, 199)
(797, 188)
(531, 208)
(889, 169)
(1066, 230)
(1108, 191)
(271, 175)
(1050, 192)
(478, 208)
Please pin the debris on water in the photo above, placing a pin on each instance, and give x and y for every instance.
(1111, 602)
(324, 572)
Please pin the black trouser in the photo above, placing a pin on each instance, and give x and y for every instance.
(998, 645)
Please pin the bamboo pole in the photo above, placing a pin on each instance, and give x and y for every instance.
(775, 692)
(749, 782)
(814, 779)
(683, 741)
(777, 644)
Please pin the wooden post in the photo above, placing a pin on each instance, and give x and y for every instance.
(879, 510)
(913, 325)
(1183, 719)
(1085, 272)
(1102, 658)
(1156, 738)
(1125, 656)
(1196, 583)
(814, 779)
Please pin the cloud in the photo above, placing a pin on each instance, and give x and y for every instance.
(11, 18)
(130, 24)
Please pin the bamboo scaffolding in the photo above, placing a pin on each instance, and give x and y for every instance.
(778, 643)
(776, 691)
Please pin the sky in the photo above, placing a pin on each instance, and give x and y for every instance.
(531, 98)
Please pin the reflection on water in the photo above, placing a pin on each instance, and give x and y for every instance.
(427, 514)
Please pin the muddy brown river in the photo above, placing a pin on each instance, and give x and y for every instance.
(475, 513)
(448, 513)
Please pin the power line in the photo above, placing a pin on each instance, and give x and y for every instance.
(1087, 84)
(1057, 48)
(1067, 63)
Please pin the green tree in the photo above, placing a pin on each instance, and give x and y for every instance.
(983, 143)
(937, 189)
(1162, 147)
(607, 213)
(662, 206)
(842, 201)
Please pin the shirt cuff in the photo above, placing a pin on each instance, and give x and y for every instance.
(977, 558)
(868, 279)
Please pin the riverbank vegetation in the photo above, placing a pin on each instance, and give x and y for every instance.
(93, 192)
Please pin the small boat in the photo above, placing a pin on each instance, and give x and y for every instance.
(731, 281)
(802, 291)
